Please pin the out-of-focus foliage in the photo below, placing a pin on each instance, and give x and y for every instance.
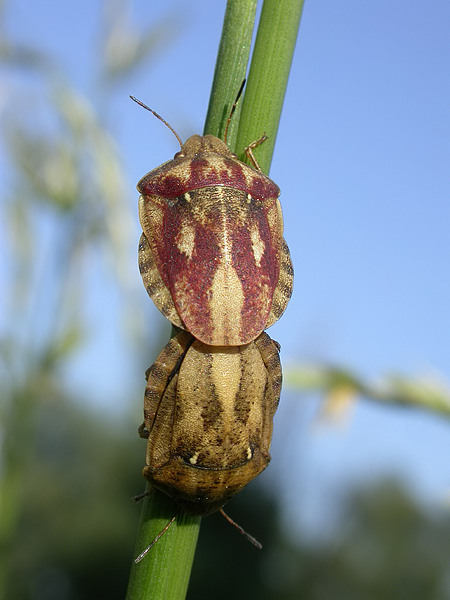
(385, 546)
(125, 47)
(340, 386)
(76, 525)
(65, 205)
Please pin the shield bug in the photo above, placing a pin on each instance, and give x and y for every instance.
(208, 417)
(212, 254)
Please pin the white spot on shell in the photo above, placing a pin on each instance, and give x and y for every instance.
(258, 245)
(194, 458)
(185, 239)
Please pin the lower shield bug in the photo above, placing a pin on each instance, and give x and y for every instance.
(208, 418)
(212, 254)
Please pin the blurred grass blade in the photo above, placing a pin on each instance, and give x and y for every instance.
(431, 392)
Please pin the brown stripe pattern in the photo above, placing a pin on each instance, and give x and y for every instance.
(208, 412)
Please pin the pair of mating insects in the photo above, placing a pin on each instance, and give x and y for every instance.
(213, 259)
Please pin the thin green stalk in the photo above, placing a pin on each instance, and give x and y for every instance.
(231, 68)
(164, 572)
(268, 77)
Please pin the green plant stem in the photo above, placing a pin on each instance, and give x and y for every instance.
(164, 572)
(268, 77)
(231, 68)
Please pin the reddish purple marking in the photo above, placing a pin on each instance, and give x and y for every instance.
(197, 274)
(168, 186)
(201, 267)
(193, 304)
(258, 283)
(172, 180)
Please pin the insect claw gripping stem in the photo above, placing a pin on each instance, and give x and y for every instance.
(251, 147)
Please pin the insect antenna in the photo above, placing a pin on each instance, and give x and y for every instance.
(161, 533)
(250, 538)
(233, 108)
(158, 117)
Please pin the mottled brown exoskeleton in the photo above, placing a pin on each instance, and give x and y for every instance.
(208, 417)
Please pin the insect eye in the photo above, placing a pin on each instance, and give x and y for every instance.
(179, 154)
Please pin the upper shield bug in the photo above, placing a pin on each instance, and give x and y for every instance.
(212, 254)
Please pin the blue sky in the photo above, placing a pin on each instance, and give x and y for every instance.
(362, 159)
